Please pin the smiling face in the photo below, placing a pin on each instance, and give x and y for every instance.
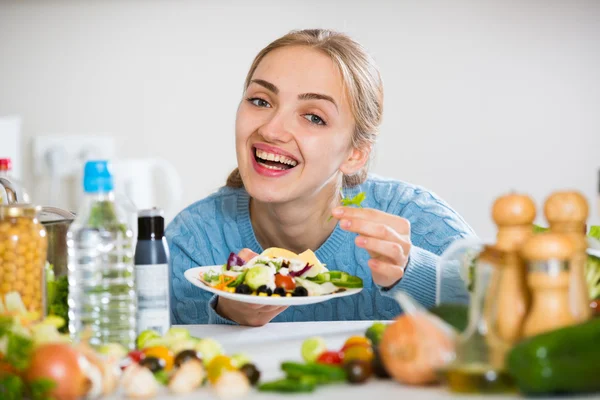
(294, 127)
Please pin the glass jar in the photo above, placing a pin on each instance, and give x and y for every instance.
(23, 247)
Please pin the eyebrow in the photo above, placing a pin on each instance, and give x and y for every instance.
(305, 96)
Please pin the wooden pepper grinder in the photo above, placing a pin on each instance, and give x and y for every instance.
(514, 215)
(548, 258)
(567, 213)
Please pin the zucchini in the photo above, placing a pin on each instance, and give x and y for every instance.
(456, 315)
(563, 361)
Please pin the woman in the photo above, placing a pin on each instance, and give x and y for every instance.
(305, 128)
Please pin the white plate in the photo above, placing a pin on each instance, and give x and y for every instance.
(193, 275)
(594, 252)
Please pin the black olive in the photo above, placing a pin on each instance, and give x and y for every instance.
(185, 355)
(154, 364)
(378, 367)
(358, 371)
(251, 372)
(243, 289)
(280, 291)
(300, 291)
(264, 289)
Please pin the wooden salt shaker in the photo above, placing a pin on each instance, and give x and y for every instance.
(548, 256)
(567, 213)
(514, 215)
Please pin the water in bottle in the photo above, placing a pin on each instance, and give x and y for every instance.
(102, 298)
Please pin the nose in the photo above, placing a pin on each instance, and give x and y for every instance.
(277, 128)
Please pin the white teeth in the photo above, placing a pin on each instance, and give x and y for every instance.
(275, 157)
(273, 167)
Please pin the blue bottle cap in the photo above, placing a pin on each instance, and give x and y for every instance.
(97, 177)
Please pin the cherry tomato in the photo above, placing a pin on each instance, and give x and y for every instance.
(217, 366)
(362, 353)
(331, 357)
(356, 341)
(284, 281)
(161, 352)
(136, 355)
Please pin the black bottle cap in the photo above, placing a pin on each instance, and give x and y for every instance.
(151, 224)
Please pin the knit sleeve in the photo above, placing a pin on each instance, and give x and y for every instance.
(189, 247)
(434, 226)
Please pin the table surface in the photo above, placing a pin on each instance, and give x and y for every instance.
(269, 345)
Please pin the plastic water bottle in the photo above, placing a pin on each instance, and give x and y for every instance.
(102, 298)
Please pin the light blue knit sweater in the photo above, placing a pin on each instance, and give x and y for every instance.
(208, 230)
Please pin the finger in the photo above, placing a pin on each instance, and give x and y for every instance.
(247, 254)
(401, 225)
(373, 229)
(395, 252)
(384, 273)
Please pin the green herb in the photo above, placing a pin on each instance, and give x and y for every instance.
(39, 388)
(58, 304)
(11, 387)
(161, 377)
(355, 201)
(594, 232)
(539, 229)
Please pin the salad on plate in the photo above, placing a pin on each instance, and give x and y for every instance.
(278, 272)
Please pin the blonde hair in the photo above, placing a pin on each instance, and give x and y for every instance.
(361, 80)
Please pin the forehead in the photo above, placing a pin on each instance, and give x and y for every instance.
(301, 69)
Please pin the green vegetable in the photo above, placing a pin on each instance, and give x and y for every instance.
(162, 377)
(592, 276)
(58, 305)
(16, 349)
(561, 361)
(375, 332)
(144, 336)
(539, 229)
(257, 276)
(594, 232)
(239, 360)
(322, 373)
(11, 387)
(239, 280)
(305, 384)
(355, 201)
(456, 315)
(339, 279)
(209, 349)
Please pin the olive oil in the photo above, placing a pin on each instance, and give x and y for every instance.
(478, 378)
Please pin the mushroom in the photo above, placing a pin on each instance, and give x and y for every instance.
(187, 377)
(138, 382)
(232, 384)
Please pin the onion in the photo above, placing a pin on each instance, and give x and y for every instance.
(62, 364)
(414, 347)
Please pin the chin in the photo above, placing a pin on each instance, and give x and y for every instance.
(269, 190)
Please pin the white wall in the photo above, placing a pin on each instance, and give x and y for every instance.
(482, 97)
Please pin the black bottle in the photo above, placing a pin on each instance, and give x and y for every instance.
(152, 273)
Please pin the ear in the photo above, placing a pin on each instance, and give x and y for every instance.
(356, 160)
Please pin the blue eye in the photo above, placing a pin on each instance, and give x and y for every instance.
(315, 119)
(258, 102)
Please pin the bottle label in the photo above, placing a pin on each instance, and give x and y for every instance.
(152, 288)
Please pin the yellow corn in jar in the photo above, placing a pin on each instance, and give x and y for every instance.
(23, 248)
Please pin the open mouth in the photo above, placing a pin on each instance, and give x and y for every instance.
(274, 161)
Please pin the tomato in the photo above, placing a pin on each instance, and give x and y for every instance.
(136, 355)
(356, 341)
(217, 366)
(284, 281)
(362, 353)
(161, 352)
(330, 357)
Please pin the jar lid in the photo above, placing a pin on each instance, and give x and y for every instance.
(19, 210)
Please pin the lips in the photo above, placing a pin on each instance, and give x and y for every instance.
(271, 161)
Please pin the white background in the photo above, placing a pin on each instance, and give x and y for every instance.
(482, 97)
